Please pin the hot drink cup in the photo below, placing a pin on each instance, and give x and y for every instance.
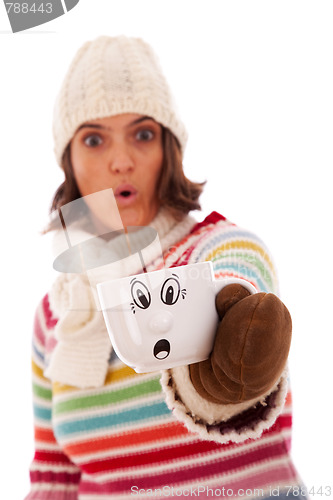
(166, 318)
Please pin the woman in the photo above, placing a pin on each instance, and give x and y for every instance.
(220, 427)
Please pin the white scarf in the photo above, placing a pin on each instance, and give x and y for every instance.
(80, 357)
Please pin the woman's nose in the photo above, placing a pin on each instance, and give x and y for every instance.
(120, 159)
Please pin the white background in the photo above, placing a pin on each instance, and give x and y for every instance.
(253, 81)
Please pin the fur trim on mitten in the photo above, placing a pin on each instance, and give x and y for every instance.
(218, 422)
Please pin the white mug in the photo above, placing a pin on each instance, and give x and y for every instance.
(161, 319)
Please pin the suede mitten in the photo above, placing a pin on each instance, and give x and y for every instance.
(250, 350)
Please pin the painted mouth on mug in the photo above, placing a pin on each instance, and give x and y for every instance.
(162, 349)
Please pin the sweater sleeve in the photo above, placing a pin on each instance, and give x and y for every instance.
(53, 476)
(234, 252)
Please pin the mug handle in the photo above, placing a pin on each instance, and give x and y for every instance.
(222, 282)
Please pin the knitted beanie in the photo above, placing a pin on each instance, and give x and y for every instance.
(110, 76)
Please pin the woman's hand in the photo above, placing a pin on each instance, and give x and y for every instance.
(250, 350)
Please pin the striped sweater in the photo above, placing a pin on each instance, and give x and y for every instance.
(151, 435)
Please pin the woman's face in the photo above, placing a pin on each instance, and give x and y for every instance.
(125, 153)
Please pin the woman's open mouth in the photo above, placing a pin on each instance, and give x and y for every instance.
(125, 194)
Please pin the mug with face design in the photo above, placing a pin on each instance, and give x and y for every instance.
(161, 319)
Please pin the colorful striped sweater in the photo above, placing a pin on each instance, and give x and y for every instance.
(151, 435)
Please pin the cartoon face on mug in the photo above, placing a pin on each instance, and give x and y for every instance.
(161, 319)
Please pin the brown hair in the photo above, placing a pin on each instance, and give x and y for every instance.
(175, 190)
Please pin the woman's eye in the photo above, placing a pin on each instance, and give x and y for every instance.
(140, 295)
(145, 135)
(93, 140)
(170, 291)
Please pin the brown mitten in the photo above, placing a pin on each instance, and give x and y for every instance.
(250, 350)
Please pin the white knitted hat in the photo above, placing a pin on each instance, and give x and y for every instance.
(111, 76)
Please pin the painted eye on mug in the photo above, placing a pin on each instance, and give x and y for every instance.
(140, 295)
(170, 291)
